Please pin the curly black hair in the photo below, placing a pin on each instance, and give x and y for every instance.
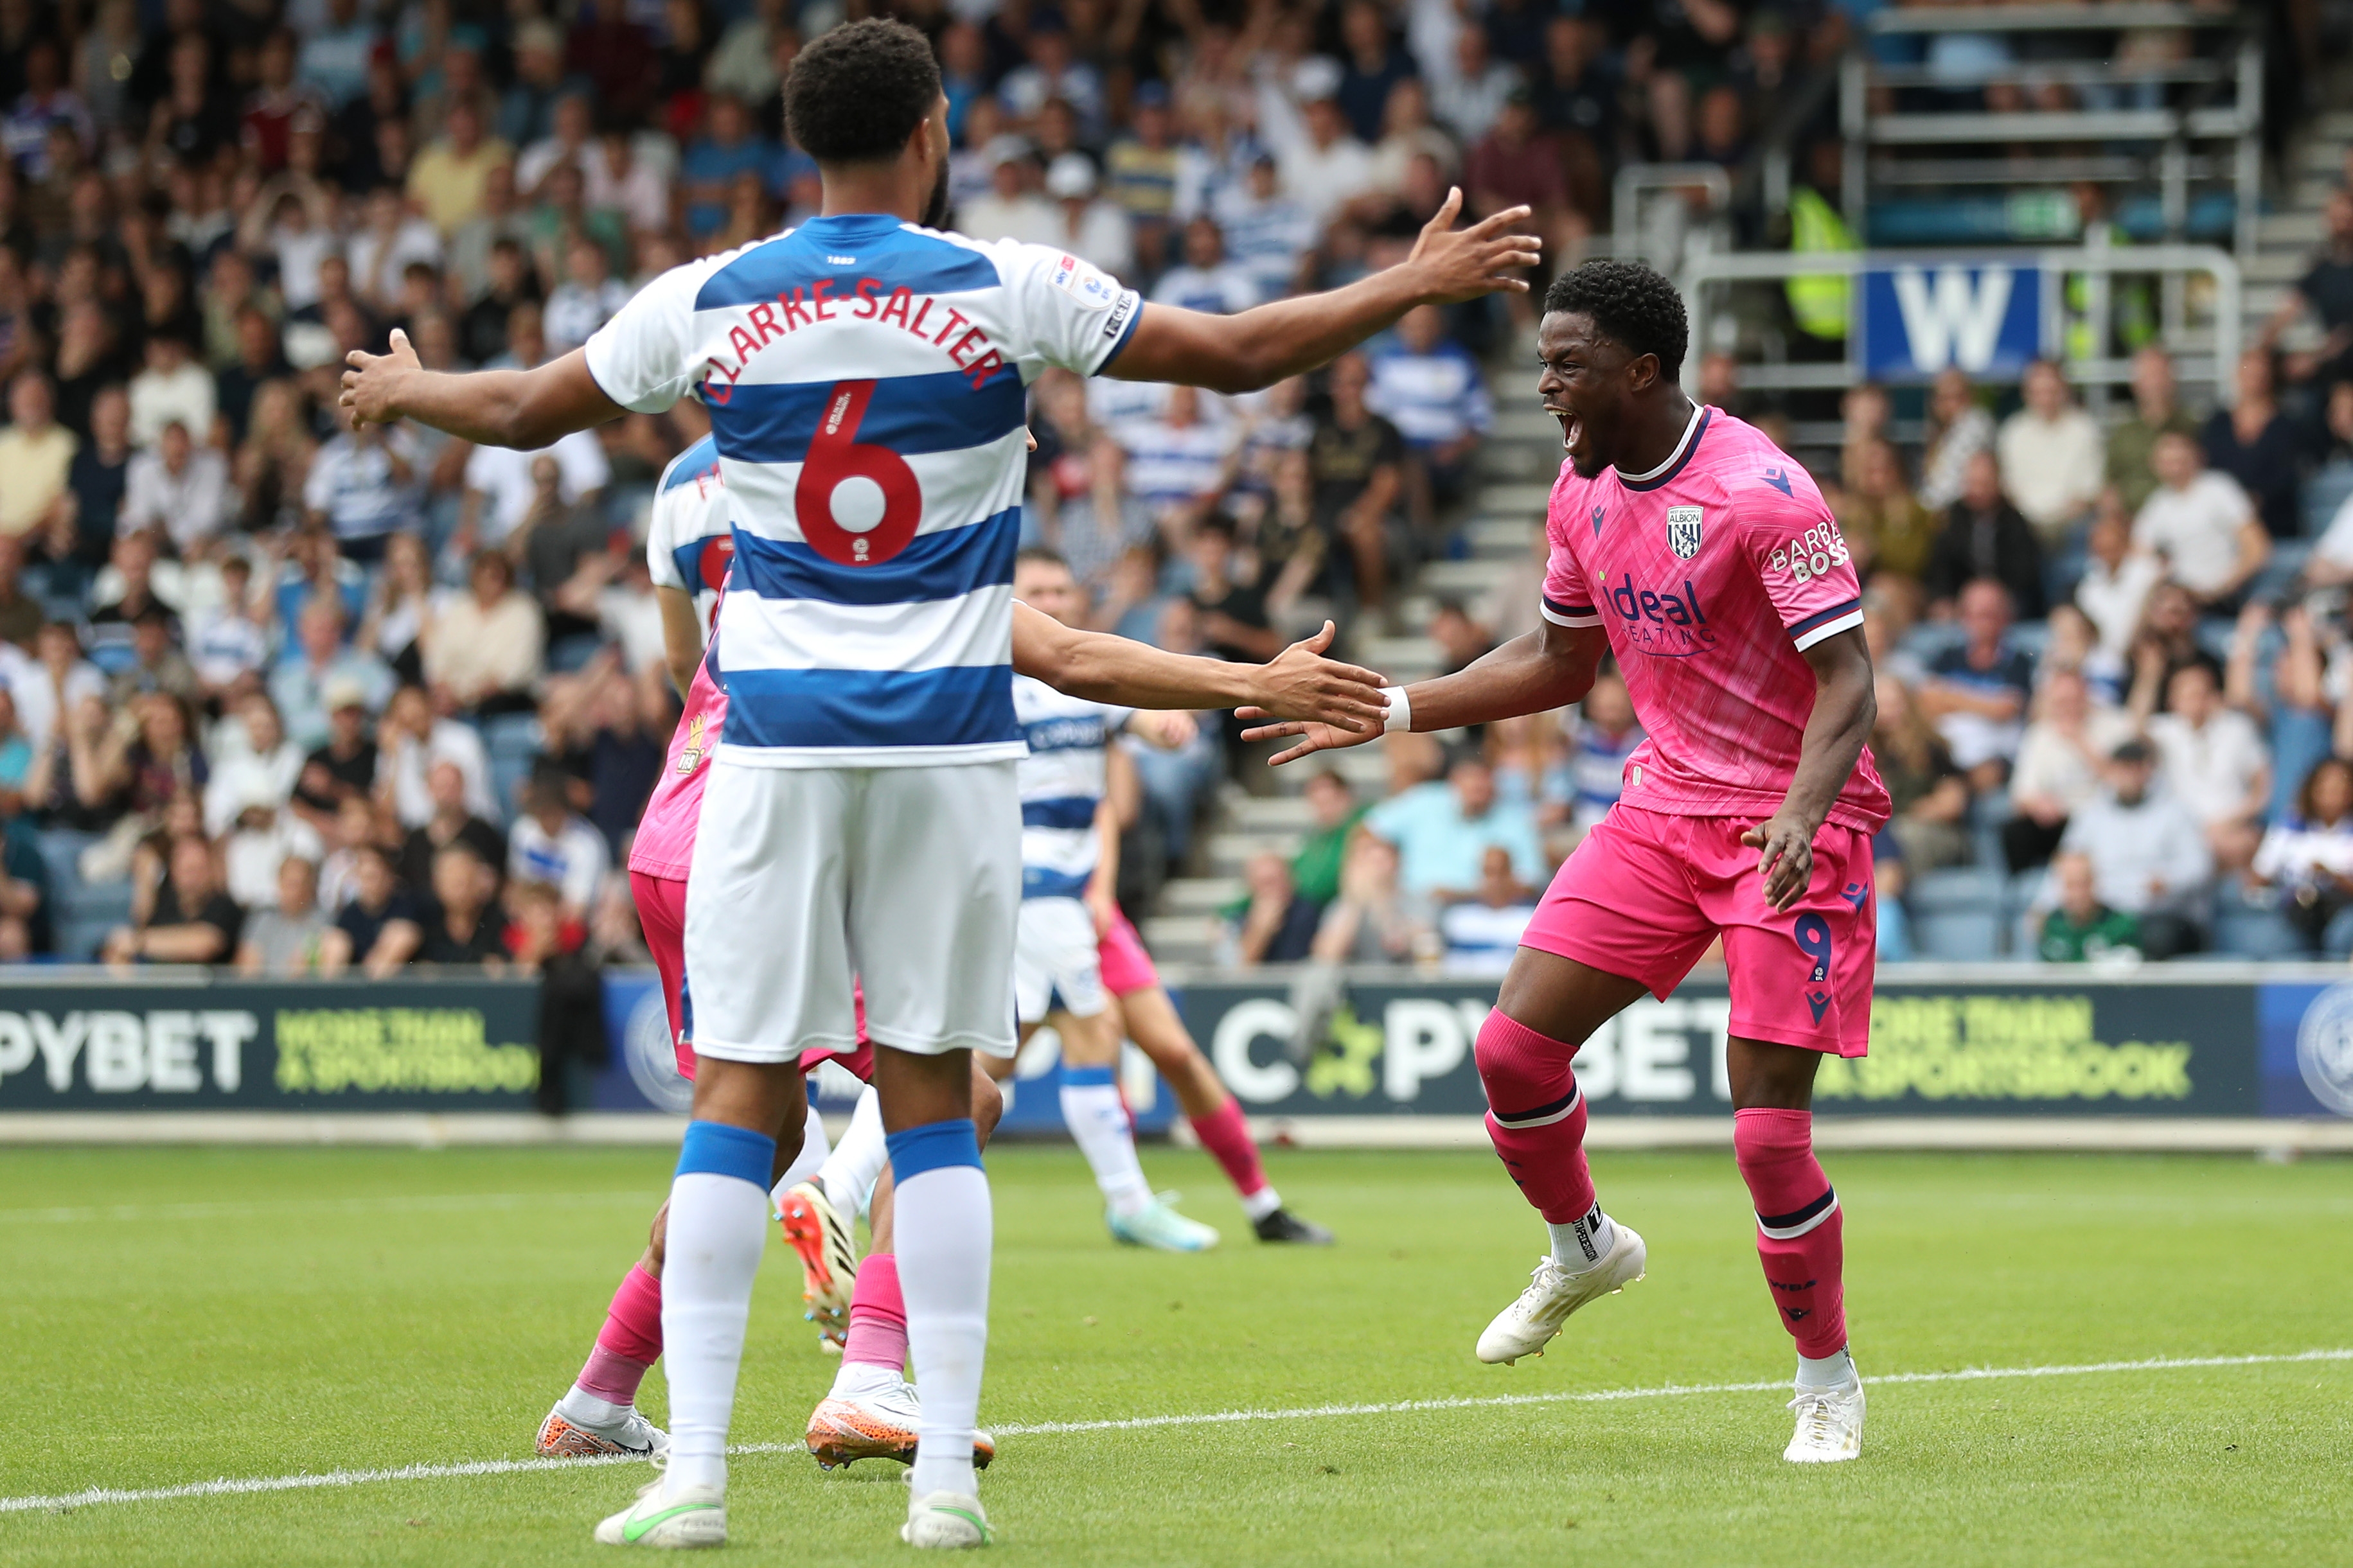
(857, 93)
(1630, 303)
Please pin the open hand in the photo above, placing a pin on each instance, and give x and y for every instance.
(370, 383)
(1326, 705)
(1464, 264)
(1785, 860)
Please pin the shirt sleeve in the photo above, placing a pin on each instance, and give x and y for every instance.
(644, 357)
(661, 538)
(1069, 314)
(1798, 551)
(1568, 601)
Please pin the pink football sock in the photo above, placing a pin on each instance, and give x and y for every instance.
(877, 1316)
(1536, 1116)
(631, 1340)
(1226, 1136)
(1799, 1235)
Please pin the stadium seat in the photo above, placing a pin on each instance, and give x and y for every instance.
(1956, 936)
(2324, 493)
(513, 742)
(2246, 930)
(1960, 890)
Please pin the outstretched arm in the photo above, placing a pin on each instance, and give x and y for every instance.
(1844, 710)
(1299, 682)
(1549, 668)
(1262, 346)
(525, 409)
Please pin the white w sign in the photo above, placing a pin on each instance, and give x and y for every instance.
(1949, 323)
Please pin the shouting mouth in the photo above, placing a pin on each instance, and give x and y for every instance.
(1570, 425)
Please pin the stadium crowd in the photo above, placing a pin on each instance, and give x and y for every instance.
(303, 698)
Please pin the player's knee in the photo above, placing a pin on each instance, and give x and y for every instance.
(1518, 1067)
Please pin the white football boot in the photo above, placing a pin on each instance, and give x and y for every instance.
(1528, 1324)
(1829, 1425)
(946, 1519)
(566, 1434)
(669, 1516)
(876, 1424)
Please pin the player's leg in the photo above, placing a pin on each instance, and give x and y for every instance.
(1147, 1016)
(1096, 1114)
(1801, 990)
(871, 1411)
(762, 993)
(934, 892)
(1618, 920)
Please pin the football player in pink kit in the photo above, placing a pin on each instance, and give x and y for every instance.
(1685, 543)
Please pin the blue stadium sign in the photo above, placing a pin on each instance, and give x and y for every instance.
(1985, 317)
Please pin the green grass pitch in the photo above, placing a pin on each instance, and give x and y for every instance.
(179, 1315)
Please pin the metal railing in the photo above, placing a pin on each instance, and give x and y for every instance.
(1666, 235)
(2101, 368)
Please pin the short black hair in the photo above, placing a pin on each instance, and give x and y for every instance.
(1630, 303)
(1041, 555)
(857, 93)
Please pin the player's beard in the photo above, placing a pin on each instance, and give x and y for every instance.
(935, 211)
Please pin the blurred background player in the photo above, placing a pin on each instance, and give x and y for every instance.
(1075, 943)
(1690, 546)
(863, 798)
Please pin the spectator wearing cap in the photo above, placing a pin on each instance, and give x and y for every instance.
(319, 662)
(1976, 692)
(173, 387)
(2053, 460)
(1012, 209)
(2202, 523)
(1267, 231)
(1206, 280)
(36, 454)
(178, 489)
(1430, 387)
(2156, 410)
(343, 768)
(1090, 228)
(1441, 831)
(2149, 858)
(1327, 165)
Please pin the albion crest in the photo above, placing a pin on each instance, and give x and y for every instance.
(1683, 531)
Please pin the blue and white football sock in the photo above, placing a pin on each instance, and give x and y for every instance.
(850, 1172)
(718, 1228)
(945, 1229)
(1098, 1119)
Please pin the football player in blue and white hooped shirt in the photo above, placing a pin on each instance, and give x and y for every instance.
(865, 375)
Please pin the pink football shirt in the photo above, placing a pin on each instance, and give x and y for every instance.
(1712, 575)
(688, 545)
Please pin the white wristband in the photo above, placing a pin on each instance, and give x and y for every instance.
(1401, 711)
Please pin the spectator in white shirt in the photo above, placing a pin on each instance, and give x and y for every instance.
(1090, 228)
(1206, 282)
(2117, 578)
(553, 844)
(2308, 857)
(412, 742)
(2330, 565)
(260, 770)
(364, 484)
(380, 253)
(2149, 857)
(1471, 96)
(175, 485)
(2059, 768)
(2202, 523)
(172, 386)
(1010, 210)
(583, 302)
(2053, 460)
(51, 684)
(499, 488)
(2212, 759)
(1327, 167)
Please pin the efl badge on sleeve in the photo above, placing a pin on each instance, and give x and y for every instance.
(1683, 531)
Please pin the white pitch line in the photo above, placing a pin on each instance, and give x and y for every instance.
(388, 1204)
(252, 1484)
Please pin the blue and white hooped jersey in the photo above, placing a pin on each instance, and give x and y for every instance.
(1062, 783)
(868, 384)
(690, 537)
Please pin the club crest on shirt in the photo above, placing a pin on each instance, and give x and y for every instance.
(1683, 531)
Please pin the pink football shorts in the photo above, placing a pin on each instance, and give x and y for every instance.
(1126, 967)
(661, 915)
(1646, 892)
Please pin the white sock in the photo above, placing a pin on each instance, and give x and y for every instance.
(582, 1408)
(1099, 1121)
(718, 1228)
(1261, 1203)
(1829, 1372)
(945, 1229)
(850, 1172)
(812, 1157)
(862, 1380)
(1582, 1244)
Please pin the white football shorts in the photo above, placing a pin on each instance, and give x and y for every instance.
(906, 879)
(1057, 952)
